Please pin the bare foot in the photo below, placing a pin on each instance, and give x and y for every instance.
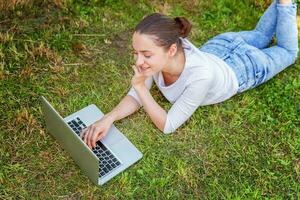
(285, 1)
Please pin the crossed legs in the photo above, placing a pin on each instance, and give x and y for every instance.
(279, 19)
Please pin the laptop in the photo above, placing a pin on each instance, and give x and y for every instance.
(112, 154)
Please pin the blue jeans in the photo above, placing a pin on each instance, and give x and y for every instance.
(248, 52)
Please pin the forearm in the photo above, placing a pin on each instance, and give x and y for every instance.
(157, 114)
(126, 107)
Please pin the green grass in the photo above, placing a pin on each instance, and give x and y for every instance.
(78, 52)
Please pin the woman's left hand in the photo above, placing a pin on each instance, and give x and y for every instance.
(138, 80)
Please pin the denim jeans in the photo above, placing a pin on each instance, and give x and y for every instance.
(248, 52)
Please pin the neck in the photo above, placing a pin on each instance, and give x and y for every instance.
(176, 65)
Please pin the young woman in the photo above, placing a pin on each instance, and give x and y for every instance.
(189, 77)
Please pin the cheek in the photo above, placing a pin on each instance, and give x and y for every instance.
(157, 63)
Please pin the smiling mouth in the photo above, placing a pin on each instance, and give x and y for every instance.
(144, 69)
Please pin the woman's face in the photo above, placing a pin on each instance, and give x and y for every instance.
(149, 58)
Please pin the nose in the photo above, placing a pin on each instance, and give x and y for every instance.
(139, 61)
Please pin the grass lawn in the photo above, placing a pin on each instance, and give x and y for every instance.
(78, 52)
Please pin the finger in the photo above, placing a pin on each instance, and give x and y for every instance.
(83, 133)
(139, 69)
(86, 138)
(92, 133)
(94, 139)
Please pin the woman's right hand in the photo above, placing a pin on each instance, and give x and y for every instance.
(96, 131)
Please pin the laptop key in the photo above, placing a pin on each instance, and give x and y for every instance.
(105, 169)
(102, 173)
(103, 155)
(75, 123)
(101, 145)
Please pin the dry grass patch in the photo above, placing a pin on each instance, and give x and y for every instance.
(25, 118)
(7, 5)
(12, 4)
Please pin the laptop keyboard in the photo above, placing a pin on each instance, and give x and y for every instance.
(107, 160)
(77, 125)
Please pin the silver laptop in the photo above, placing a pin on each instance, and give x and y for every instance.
(112, 154)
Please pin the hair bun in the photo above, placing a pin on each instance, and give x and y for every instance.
(184, 26)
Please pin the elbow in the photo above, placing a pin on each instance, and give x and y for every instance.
(162, 129)
(162, 126)
(167, 132)
(167, 128)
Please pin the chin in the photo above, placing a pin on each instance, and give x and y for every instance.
(148, 72)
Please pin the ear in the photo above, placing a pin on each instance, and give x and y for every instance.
(172, 50)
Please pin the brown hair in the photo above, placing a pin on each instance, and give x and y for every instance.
(165, 29)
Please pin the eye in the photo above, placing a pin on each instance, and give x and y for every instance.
(147, 55)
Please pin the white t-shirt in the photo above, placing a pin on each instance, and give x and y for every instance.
(206, 79)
